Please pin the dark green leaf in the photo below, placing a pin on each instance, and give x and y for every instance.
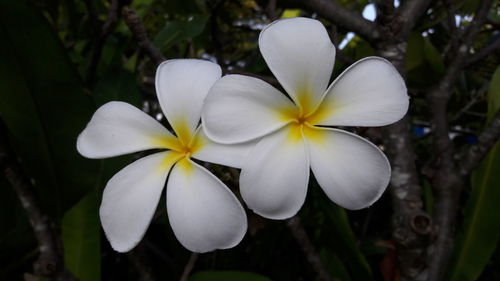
(117, 85)
(334, 265)
(432, 57)
(346, 246)
(415, 54)
(44, 106)
(179, 30)
(82, 239)
(337, 235)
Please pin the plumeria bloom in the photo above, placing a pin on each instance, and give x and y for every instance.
(293, 134)
(203, 213)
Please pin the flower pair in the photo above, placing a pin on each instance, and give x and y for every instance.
(247, 124)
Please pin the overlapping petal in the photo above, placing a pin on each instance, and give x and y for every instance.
(369, 93)
(229, 155)
(301, 56)
(352, 171)
(181, 86)
(118, 128)
(130, 199)
(275, 175)
(241, 108)
(203, 212)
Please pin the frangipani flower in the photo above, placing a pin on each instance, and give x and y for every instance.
(202, 211)
(293, 134)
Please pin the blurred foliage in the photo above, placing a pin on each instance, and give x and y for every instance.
(479, 237)
(45, 57)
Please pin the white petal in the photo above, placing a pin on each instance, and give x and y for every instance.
(301, 56)
(225, 154)
(369, 93)
(130, 199)
(351, 170)
(118, 128)
(275, 175)
(241, 108)
(203, 212)
(181, 86)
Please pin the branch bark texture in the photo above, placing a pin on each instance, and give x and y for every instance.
(140, 35)
(50, 262)
(343, 17)
(447, 183)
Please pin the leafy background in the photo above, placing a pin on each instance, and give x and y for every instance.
(49, 89)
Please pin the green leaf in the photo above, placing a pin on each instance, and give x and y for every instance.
(494, 94)
(346, 247)
(479, 236)
(81, 237)
(44, 106)
(334, 265)
(227, 276)
(179, 30)
(117, 85)
(336, 234)
(433, 57)
(415, 53)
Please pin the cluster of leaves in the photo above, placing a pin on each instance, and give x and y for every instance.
(48, 93)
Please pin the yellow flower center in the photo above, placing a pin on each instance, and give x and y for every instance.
(302, 125)
(183, 145)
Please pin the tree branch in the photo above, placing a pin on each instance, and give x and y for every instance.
(458, 58)
(341, 16)
(450, 16)
(270, 10)
(105, 31)
(50, 263)
(134, 24)
(412, 227)
(408, 14)
(307, 247)
(447, 183)
(487, 139)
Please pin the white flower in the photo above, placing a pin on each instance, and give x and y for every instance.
(293, 134)
(202, 211)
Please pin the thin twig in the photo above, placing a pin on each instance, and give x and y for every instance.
(189, 266)
(450, 16)
(307, 247)
(486, 51)
(486, 140)
(138, 259)
(107, 28)
(463, 110)
(134, 24)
